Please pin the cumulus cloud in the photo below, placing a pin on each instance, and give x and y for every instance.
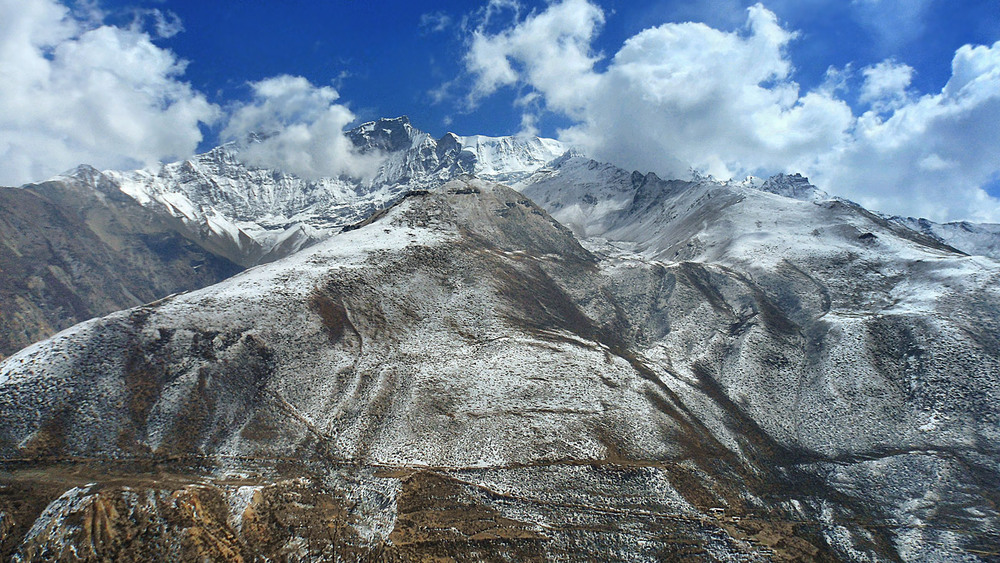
(885, 84)
(931, 156)
(685, 95)
(551, 51)
(74, 91)
(674, 97)
(301, 130)
(720, 102)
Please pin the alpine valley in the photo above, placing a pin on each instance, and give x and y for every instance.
(494, 349)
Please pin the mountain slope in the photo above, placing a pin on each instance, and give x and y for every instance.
(465, 378)
(69, 252)
(191, 223)
(982, 239)
(894, 305)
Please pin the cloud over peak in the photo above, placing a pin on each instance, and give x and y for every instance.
(303, 130)
(726, 100)
(675, 96)
(686, 95)
(76, 91)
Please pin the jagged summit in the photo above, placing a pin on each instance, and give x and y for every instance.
(254, 212)
(795, 186)
(386, 134)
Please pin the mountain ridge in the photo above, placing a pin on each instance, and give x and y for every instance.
(210, 191)
(249, 215)
(465, 330)
(591, 364)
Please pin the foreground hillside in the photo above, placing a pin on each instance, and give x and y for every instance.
(460, 377)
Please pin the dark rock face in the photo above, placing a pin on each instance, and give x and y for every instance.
(795, 186)
(70, 251)
(386, 135)
(460, 378)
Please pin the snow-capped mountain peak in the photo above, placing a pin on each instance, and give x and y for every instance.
(386, 135)
(795, 186)
(251, 214)
(507, 159)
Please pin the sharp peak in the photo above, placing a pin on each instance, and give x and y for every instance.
(639, 178)
(84, 172)
(81, 169)
(401, 120)
(793, 176)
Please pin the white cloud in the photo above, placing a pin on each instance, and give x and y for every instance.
(674, 97)
(166, 24)
(835, 80)
(720, 102)
(685, 95)
(933, 154)
(885, 84)
(304, 130)
(551, 49)
(74, 91)
(529, 125)
(434, 22)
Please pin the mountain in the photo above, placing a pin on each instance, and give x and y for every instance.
(630, 369)
(597, 364)
(795, 186)
(75, 247)
(257, 215)
(415, 156)
(982, 239)
(215, 209)
(88, 243)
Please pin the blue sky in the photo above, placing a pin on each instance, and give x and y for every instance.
(859, 94)
(385, 57)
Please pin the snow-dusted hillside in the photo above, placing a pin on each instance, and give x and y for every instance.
(465, 343)
(601, 365)
(981, 239)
